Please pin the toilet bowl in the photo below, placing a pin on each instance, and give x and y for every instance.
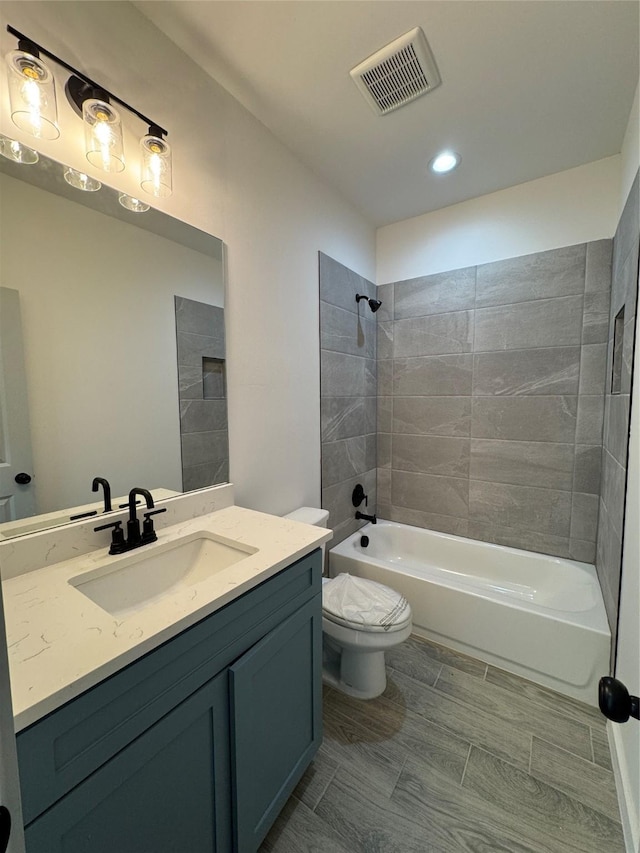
(359, 624)
(361, 619)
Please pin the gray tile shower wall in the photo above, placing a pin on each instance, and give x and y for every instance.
(617, 402)
(490, 407)
(348, 394)
(202, 393)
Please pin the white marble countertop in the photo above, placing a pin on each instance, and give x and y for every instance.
(60, 643)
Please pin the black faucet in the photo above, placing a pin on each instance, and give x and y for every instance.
(361, 516)
(100, 481)
(134, 539)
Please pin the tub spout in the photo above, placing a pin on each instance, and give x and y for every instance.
(361, 516)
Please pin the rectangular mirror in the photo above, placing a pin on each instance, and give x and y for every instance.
(90, 382)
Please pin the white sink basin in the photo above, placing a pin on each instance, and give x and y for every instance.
(137, 579)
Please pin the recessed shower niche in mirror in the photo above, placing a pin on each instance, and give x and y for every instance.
(95, 285)
(202, 390)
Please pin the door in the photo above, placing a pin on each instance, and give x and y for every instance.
(276, 719)
(9, 786)
(17, 500)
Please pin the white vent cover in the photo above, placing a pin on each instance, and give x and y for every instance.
(397, 73)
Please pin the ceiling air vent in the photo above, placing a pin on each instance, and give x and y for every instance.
(397, 73)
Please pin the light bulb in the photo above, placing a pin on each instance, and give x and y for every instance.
(103, 135)
(32, 95)
(156, 177)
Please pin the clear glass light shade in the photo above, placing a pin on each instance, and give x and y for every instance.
(156, 178)
(32, 95)
(103, 135)
(133, 204)
(17, 152)
(81, 181)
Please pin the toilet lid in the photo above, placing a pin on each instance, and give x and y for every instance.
(364, 604)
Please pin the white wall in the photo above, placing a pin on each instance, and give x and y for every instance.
(569, 207)
(626, 737)
(98, 318)
(234, 180)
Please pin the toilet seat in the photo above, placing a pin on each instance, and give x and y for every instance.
(361, 626)
(364, 605)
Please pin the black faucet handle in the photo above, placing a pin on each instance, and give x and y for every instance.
(148, 533)
(117, 536)
(154, 512)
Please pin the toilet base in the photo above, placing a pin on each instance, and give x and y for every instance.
(360, 674)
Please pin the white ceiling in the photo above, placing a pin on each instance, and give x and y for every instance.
(529, 88)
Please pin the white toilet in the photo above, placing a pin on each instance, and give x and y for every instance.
(361, 619)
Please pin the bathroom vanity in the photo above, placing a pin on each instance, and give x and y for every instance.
(191, 745)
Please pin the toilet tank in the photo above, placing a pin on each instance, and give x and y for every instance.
(315, 516)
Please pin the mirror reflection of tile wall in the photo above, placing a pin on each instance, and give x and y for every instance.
(202, 393)
(617, 405)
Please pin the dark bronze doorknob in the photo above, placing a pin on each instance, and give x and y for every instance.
(615, 702)
(23, 479)
(5, 828)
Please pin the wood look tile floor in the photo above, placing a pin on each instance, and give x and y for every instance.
(454, 756)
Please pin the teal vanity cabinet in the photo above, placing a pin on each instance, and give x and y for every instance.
(193, 748)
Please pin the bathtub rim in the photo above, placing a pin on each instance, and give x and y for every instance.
(595, 618)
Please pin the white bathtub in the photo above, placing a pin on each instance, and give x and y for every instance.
(537, 616)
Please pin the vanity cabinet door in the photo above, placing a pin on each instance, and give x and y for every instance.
(276, 720)
(167, 792)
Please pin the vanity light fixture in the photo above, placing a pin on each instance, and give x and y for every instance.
(34, 109)
(81, 181)
(133, 204)
(32, 92)
(17, 152)
(445, 162)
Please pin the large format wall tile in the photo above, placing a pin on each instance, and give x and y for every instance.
(559, 272)
(347, 458)
(544, 323)
(526, 463)
(436, 294)
(593, 366)
(598, 270)
(431, 415)
(522, 507)
(444, 375)
(524, 418)
(431, 454)
(590, 419)
(346, 332)
(346, 375)
(428, 493)
(595, 318)
(554, 370)
(339, 284)
(344, 417)
(435, 334)
(512, 537)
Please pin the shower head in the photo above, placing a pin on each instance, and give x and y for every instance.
(374, 304)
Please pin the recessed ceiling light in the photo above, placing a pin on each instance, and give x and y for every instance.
(446, 161)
